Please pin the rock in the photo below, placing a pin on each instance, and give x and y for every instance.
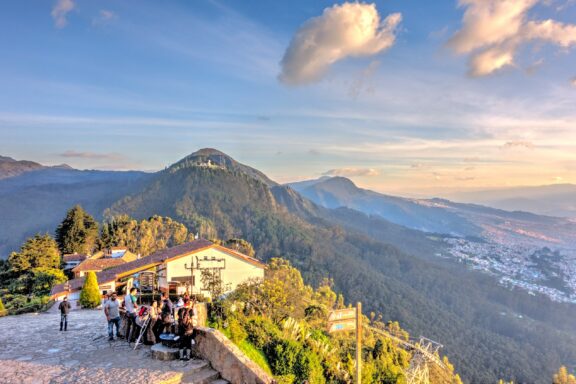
(164, 353)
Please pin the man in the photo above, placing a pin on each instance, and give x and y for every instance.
(64, 308)
(131, 308)
(166, 315)
(112, 311)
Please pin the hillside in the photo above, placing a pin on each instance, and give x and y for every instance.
(489, 332)
(36, 201)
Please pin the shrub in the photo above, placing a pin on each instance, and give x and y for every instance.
(3, 311)
(309, 368)
(261, 332)
(90, 295)
(283, 355)
(237, 332)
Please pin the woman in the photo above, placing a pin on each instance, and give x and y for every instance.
(151, 336)
(186, 331)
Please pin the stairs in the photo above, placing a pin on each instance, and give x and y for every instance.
(200, 372)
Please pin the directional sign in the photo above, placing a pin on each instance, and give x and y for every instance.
(342, 314)
(341, 326)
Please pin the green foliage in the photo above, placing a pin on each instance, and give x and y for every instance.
(142, 237)
(77, 233)
(38, 251)
(563, 377)
(43, 279)
(90, 294)
(241, 246)
(212, 282)
(237, 332)
(3, 311)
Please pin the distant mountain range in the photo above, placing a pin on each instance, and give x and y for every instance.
(10, 167)
(442, 216)
(552, 200)
(386, 257)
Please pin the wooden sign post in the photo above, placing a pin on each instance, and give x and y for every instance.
(349, 319)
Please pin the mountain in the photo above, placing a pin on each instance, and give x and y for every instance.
(443, 216)
(490, 332)
(10, 167)
(551, 200)
(37, 200)
(337, 192)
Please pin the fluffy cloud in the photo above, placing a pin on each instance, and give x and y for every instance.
(494, 30)
(351, 172)
(347, 30)
(60, 10)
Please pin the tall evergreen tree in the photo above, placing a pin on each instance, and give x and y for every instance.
(37, 251)
(78, 232)
(563, 377)
(90, 294)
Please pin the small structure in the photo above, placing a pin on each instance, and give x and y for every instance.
(73, 260)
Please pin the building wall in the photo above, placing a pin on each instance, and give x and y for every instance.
(235, 270)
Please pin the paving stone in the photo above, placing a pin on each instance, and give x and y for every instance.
(33, 350)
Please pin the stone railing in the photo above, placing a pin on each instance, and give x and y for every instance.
(228, 359)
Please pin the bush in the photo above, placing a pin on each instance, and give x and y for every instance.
(3, 311)
(237, 332)
(283, 355)
(261, 332)
(309, 368)
(90, 295)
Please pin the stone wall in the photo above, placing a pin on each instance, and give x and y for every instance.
(228, 359)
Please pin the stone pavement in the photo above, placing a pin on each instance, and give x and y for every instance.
(34, 351)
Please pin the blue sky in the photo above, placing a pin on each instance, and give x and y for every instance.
(140, 84)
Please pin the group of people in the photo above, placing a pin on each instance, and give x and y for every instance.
(159, 317)
(126, 318)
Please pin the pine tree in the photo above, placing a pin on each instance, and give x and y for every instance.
(77, 233)
(90, 295)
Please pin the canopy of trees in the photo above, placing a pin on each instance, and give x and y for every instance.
(77, 233)
(145, 236)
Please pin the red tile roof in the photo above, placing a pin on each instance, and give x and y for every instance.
(97, 264)
(74, 257)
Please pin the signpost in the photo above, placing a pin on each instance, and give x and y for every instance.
(347, 320)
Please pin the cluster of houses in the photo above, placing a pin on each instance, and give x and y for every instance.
(174, 270)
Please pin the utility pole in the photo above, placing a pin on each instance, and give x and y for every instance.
(191, 268)
(359, 343)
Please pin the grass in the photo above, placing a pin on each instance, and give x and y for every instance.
(251, 352)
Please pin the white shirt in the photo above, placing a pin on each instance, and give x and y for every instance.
(129, 304)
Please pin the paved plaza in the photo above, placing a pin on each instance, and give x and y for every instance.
(34, 351)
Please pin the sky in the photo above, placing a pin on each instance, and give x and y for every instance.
(402, 96)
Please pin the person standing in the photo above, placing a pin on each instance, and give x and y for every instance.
(64, 308)
(131, 308)
(112, 311)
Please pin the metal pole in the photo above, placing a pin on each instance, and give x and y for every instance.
(358, 343)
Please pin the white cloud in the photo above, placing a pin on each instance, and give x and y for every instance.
(60, 10)
(494, 30)
(104, 17)
(347, 30)
(351, 172)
